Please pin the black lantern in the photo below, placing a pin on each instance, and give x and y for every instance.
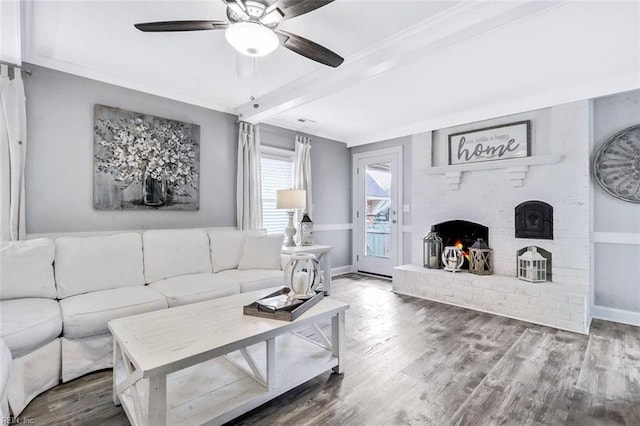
(432, 246)
(306, 231)
(480, 258)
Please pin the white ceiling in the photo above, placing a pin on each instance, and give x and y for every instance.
(410, 66)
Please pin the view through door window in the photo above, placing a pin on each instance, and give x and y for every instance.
(378, 196)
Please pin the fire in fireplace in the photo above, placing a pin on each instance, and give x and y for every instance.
(462, 234)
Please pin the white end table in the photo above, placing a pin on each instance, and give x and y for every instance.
(323, 254)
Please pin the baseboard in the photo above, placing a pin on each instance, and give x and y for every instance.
(616, 315)
(341, 270)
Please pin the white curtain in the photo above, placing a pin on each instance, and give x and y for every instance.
(249, 188)
(302, 172)
(13, 144)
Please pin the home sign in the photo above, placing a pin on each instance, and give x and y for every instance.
(491, 143)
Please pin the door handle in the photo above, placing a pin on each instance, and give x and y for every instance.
(393, 221)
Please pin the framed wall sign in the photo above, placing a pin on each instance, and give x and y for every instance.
(491, 143)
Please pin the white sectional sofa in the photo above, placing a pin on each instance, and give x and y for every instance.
(58, 295)
(5, 366)
(30, 319)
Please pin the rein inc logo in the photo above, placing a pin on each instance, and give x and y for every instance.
(17, 420)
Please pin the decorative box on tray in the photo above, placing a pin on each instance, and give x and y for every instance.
(280, 306)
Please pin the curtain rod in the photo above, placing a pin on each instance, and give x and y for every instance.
(28, 72)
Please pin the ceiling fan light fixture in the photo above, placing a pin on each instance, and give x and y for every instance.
(251, 38)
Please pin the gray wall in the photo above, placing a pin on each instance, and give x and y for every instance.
(59, 166)
(405, 142)
(616, 266)
(59, 171)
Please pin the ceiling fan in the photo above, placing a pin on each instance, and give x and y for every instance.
(253, 28)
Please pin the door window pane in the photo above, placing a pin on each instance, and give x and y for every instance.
(378, 199)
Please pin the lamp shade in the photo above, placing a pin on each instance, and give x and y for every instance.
(291, 199)
(251, 38)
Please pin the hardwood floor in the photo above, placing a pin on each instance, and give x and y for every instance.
(415, 362)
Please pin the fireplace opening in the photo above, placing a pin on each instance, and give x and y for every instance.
(461, 233)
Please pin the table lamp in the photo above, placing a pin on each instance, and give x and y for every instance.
(290, 199)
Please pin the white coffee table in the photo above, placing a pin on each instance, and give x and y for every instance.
(208, 363)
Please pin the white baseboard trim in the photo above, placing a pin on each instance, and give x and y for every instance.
(332, 227)
(616, 315)
(616, 238)
(340, 270)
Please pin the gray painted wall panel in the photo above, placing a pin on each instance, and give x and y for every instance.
(616, 268)
(612, 114)
(617, 288)
(59, 171)
(341, 253)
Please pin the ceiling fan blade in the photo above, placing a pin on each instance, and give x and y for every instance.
(287, 9)
(181, 26)
(309, 49)
(239, 8)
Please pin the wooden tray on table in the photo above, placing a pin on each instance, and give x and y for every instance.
(286, 313)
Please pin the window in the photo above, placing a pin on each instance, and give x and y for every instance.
(277, 173)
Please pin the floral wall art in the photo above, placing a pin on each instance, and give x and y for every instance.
(144, 162)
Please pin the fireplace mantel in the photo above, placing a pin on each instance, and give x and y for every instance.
(516, 169)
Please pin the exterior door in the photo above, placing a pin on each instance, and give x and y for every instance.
(377, 218)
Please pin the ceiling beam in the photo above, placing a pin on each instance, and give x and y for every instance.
(454, 25)
(10, 32)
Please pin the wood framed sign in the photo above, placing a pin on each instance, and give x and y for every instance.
(491, 143)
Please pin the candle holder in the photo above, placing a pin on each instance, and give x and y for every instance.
(306, 230)
(432, 250)
(480, 258)
(302, 275)
(452, 258)
(532, 266)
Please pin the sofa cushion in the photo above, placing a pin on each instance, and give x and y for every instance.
(98, 263)
(26, 324)
(173, 252)
(255, 279)
(195, 288)
(227, 246)
(261, 252)
(26, 269)
(87, 314)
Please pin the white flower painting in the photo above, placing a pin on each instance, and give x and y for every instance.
(144, 162)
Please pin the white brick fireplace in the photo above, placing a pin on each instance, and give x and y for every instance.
(486, 193)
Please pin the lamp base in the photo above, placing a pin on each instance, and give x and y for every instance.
(289, 232)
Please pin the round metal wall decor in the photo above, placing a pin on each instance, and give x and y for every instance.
(616, 166)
